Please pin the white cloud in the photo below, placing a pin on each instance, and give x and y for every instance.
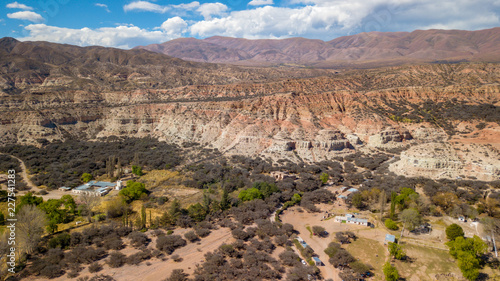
(208, 10)
(145, 6)
(174, 27)
(327, 19)
(260, 2)
(121, 36)
(16, 5)
(103, 6)
(26, 15)
(188, 6)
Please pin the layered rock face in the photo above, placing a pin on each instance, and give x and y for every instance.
(301, 119)
(452, 161)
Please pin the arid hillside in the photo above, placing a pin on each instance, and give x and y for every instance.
(360, 50)
(300, 119)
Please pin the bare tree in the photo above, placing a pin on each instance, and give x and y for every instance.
(30, 223)
(89, 202)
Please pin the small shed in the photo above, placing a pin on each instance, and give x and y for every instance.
(64, 188)
(317, 261)
(462, 219)
(389, 238)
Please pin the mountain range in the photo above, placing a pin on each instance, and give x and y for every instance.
(365, 49)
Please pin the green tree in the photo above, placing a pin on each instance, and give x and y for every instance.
(453, 231)
(52, 226)
(324, 178)
(133, 191)
(396, 251)
(28, 199)
(265, 188)
(468, 252)
(143, 217)
(137, 170)
(390, 272)
(197, 212)
(224, 202)
(86, 177)
(174, 211)
(405, 197)
(390, 224)
(357, 200)
(393, 205)
(410, 218)
(250, 194)
(469, 265)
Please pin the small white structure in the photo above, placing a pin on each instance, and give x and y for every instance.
(119, 185)
(462, 219)
(349, 218)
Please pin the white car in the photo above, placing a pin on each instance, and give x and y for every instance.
(303, 262)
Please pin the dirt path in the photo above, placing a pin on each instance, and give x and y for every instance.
(24, 173)
(299, 222)
(54, 194)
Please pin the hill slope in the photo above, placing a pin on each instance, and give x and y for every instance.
(364, 49)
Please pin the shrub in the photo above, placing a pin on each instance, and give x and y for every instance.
(191, 236)
(202, 232)
(390, 224)
(116, 259)
(319, 230)
(94, 267)
(138, 239)
(177, 275)
(169, 243)
(289, 258)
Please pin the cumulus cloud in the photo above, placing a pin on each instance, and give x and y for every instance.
(145, 6)
(103, 6)
(188, 6)
(122, 36)
(327, 19)
(26, 15)
(174, 27)
(208, 10)
(260, 2)
(16, 5)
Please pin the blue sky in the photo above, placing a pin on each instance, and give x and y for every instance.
(126, 24)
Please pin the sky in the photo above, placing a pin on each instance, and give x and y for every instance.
(130, 23)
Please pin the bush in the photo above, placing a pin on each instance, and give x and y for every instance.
(138, 239)
(116, 259)
(202, 232)
(289, 258)
(191, 236)
(177, 275)
(319, 230)
(390, 224)
(94, 267)
(169, 243)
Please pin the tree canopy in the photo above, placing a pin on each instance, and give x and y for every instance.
(133, 191)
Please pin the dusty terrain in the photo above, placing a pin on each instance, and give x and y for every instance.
(192, 254)
(429, 257)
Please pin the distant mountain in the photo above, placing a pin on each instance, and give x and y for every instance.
(364, 49)
(54, 67)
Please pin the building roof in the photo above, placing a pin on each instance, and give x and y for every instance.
(357, 220)
(316, 259)
(343, 196)
(352, 189)
(390, 238)
(100, 184)
(65, 187)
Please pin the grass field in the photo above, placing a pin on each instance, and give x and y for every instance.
(370, 252)
(425, 263)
